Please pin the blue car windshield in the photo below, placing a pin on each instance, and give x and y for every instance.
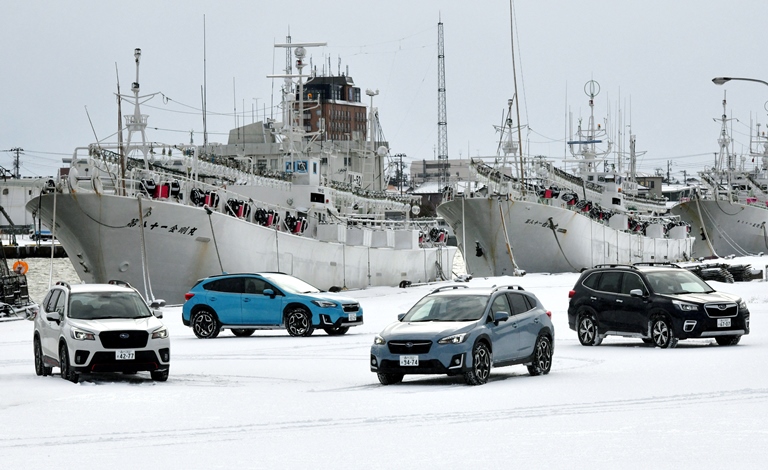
(677, 282)
(291, 284)
(447, 308)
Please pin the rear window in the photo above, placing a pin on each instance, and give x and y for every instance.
(592, 280)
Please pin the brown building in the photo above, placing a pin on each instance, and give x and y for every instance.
(332, 105)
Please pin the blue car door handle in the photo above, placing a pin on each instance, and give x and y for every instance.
(536, 320)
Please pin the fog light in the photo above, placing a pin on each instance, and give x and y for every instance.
(374, 362)
(456, 361)
(165, 355)
(689, 325)
(81, 357)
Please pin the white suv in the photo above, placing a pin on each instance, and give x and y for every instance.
(87, 328)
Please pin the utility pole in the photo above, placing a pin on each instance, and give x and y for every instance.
(669, 169)
(16, 161)
(442, 114)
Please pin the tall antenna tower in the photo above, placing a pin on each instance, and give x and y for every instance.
(442, 115)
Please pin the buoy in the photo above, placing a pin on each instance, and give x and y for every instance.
(20, 267)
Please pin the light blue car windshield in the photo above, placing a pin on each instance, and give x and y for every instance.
(447, 308)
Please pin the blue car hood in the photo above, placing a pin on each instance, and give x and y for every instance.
(425, 330)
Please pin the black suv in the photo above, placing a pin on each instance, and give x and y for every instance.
(659, 303)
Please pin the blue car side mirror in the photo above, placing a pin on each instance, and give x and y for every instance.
(269, 292)
(500, 317)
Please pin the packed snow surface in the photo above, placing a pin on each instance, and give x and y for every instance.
(273, 401)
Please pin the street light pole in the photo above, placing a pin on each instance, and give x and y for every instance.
(723, 80)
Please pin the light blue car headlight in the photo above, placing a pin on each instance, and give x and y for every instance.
(453, 339)
(324, 303)
(378, 340)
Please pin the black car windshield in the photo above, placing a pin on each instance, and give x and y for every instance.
(447, 308)
(677, 282)
(102, 305)
(291, 284)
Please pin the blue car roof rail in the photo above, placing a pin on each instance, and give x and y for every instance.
(456, 286)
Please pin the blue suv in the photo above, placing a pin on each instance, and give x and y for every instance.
(245, 303)
(461, 330)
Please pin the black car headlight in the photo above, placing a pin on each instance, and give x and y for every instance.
(453, 339)
(742, 305)
(684, 306)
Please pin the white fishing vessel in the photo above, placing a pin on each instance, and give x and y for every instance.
(304, 196)
(544, 219)
(730, 208)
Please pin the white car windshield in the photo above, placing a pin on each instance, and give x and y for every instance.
(447, 308)
(102, 305)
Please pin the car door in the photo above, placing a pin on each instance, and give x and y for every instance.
(503, 335)
(50, 330)
(607, 294)
(224, 296)
(631, 311)
(259, 308)
(525, 320)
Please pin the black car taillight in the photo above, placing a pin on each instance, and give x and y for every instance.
(571, 293)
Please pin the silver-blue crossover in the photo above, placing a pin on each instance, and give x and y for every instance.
(465, 330)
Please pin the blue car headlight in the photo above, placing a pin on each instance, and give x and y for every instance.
(453, 339)
(378, 340)
(324, 303)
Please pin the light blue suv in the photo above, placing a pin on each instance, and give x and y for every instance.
(461, 330)
(244, 303)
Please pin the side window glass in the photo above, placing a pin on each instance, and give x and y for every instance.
(47, 300)
(632, 281)
(609, 282)
(499, 304)
(61, 302)
(255, 286)
(235, 285)
(518, 304)
(592, 280)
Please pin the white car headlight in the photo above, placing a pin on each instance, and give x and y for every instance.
(82, 335)
(160, 333)
(324, 303)
(453, 339)
(378, 340)
(685, 307)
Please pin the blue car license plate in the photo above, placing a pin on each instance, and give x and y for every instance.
(409, 361)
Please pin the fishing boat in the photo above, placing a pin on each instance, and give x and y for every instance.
(540, 218)
(304, 196)
(729, 210)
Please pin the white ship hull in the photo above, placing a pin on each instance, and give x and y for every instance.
(722, 228)
(180, 244)
(546, 238)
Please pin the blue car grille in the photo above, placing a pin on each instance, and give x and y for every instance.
(351, 307)
(409, 347)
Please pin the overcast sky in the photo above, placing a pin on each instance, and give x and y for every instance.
(654, 61)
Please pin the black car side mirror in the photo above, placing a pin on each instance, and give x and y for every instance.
(636, 293)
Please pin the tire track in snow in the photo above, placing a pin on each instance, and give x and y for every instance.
(178, 436)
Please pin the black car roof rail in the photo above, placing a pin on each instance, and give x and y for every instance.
(613, 265)
(661, 263)
(509, 287)
(442, 288)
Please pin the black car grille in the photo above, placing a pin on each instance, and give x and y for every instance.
(351, 307)
(409, 347)
(719, 310)
(125, 339)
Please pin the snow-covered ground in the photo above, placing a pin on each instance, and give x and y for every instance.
(273, 401)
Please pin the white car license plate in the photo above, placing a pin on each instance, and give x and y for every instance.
(125, 355)
(352, 317)
(409, 360)
(723, 322)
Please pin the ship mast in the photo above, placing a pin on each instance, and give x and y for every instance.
(442, 113)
